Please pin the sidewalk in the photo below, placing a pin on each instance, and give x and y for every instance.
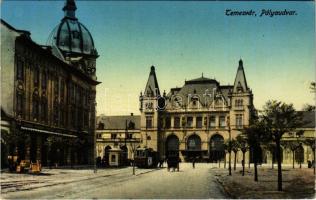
(297, 183)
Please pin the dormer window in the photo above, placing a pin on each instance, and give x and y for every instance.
(131, 125)
(101, 126)
(194, 100)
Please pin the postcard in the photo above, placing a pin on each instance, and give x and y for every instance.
(157, 99)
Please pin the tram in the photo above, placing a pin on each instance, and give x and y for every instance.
(146, 158)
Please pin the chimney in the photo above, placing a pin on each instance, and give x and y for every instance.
(132, 114)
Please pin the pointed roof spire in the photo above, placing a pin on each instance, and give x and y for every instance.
(70, 9)
(240, 63)
(240, 83)
(152, 88)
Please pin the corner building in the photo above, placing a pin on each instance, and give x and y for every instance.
(196, 118)
(48, 93)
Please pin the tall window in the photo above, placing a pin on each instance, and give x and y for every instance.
(62, 115)
(113, 136)
(35, 108)
(20, 70)
(199, 122)
(176, 122)
(56, 86)
(222, 121)
(44, 81)
(62, 89)
(168, 122)
(71, 92)
(189, 121)
(44, 109)
(73, 117)
(87, 98)
(149, 122)
(56, 112)
(79, 96)
(86, 119)
(19, 104)
(239, 121)
(36, 76)
(212, 122)
(238, 103)
(80, 118)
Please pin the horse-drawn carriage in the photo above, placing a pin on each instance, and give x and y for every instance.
(173, 160)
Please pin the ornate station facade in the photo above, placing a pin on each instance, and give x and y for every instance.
(195, 119)
(198, 117)
(48, 93)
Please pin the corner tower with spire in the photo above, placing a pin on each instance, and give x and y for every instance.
(150, 112)
(241, 100)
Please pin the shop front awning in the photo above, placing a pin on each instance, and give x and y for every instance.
(47, 132)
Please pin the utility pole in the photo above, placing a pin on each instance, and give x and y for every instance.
(229, 147)
(94, 152)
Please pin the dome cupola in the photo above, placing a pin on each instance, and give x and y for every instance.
(70, 36)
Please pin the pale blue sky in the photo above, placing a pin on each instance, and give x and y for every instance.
(184, 39)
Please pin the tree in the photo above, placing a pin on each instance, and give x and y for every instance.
(133, 146)
(243, 145)
(235, 147)
(255, 134)
(311, 143)
(225, 146)
(228, 148)
(308, 107)
(280, 118)
(312, 86)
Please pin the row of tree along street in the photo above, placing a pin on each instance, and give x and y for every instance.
(267, 129)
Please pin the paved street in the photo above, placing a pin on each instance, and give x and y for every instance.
(117, 183)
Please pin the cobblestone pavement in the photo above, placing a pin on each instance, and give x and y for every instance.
(114, 183)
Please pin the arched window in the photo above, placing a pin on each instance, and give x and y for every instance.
(35, 105)
(44, 109)
(217, 151)
(194, 142)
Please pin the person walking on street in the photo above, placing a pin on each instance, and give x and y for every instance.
(193, 163)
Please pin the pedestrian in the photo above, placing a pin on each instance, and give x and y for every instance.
(160, 163)
(193, 163)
